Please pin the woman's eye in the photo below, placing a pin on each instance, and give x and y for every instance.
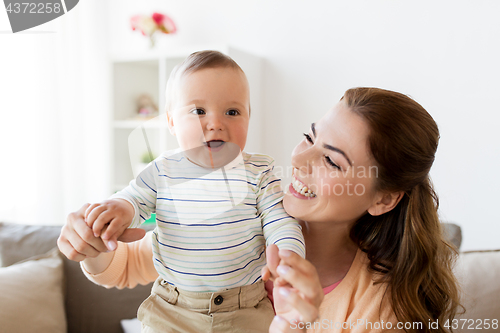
(308, 138)
(233, 112)
(329, 161)
(198, 111)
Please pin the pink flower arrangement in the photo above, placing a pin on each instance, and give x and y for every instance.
(149, 25)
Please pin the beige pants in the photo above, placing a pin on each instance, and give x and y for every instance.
(243, 309)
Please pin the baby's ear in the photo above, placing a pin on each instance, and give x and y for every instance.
(170, 122)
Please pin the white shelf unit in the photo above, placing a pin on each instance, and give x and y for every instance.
(134, 75)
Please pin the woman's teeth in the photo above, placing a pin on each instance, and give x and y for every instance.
(302, 189)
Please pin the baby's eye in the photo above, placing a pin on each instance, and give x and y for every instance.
(198, 111)
(233, 112)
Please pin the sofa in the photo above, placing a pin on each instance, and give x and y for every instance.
(42, 291)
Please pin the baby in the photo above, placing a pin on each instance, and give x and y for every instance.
(217, 207)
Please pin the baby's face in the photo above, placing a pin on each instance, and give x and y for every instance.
(210, 115)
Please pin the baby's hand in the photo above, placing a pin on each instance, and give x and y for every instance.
(273, 260)
(109, 219)
(270, 271)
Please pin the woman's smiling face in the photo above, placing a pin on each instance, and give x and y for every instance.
(334, 173)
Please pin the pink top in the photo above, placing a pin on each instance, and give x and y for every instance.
(326, 290)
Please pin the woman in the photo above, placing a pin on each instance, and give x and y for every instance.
(373, 238)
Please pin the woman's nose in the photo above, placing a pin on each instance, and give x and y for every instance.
(303, 159)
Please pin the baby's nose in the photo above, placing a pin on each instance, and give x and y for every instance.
(215, 123)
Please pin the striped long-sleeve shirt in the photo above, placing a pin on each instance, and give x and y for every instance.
(212, 225)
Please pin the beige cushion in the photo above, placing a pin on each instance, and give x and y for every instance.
(478, 273)
(89, 307)
(32, 295)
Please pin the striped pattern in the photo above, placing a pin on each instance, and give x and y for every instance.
(212, 226)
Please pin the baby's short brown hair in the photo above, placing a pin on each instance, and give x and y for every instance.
(194, 62)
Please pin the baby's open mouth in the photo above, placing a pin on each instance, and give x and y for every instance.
(214, 143)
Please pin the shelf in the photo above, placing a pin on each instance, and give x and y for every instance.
(132, 124)
(174, 52)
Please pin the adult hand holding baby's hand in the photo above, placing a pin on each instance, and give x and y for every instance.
(77, 241)
(109, 219)
(297, 293)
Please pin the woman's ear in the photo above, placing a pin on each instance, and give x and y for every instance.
(170, 123)
(385, 202)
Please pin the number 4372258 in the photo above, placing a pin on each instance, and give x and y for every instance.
(477, 324)
(34, 8)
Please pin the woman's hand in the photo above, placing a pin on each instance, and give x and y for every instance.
(297, 293)
(77, 240)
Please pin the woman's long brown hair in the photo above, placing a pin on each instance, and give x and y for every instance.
(406, 245)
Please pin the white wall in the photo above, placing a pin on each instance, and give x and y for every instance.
(54, 116)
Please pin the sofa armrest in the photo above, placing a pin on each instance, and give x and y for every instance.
(478, 272)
